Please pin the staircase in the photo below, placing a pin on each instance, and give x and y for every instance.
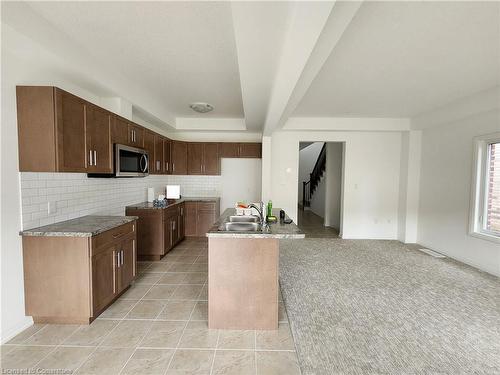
(308, 187)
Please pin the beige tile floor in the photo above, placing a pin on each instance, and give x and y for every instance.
(313, 225)
(159, 326)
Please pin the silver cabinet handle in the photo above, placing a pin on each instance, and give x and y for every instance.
(167, 166)
(122, 256)
(173, 167)
(95, 157)
(90, 157)
(118, 259)
(158, 165)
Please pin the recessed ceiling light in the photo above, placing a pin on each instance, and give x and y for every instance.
(201, 107)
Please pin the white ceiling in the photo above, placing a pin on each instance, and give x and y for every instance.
(398, 59)
(181, 51)
(260, 63)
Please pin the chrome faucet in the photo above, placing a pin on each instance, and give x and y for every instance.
(260, 210)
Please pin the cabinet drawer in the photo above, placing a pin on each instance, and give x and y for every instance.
(206, 206)
(112, 235)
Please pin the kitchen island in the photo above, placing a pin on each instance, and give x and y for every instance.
(243, 273)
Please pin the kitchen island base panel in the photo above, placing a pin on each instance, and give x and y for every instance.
(243, 283)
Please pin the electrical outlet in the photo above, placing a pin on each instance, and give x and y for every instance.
(51, 207)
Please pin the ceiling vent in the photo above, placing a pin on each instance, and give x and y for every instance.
(201, 107)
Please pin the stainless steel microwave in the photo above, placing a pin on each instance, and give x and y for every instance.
(131, 161)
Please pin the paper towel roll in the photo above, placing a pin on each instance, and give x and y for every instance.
(151, 194)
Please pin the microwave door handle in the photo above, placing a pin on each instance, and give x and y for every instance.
(145, 159)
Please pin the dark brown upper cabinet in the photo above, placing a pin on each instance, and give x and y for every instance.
(167, 165)
(71, 150)
(53, 135)
(229, 150)
(60, 132)
(98, 140)
(149, 146)
(240, 150)
(195, 158)
(250, 150)
(211, 159)
(136, 135)
(203, 158)
(119, 131)
(158, 161)
(126, 133)
(179, 158)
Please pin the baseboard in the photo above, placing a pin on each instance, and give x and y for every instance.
(462, 260)
(17, 329)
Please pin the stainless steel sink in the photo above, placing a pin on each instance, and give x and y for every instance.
(240, 227)
(244, 219)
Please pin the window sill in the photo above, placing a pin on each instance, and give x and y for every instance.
(485, 236)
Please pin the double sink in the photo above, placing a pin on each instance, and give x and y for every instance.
(250, 223)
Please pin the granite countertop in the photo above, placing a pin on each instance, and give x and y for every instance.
(172, 202)
(275, 230)
(85, 226)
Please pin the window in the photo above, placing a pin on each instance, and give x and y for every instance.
(485, 213)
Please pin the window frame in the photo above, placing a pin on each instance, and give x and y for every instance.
(479, 189)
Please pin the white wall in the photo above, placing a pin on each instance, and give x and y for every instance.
(445, 188)
(307, 159)
(371, 182)
(241, 180)
(333, 184)
(409, 187)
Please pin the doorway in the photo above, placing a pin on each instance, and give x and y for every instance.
(319, 189)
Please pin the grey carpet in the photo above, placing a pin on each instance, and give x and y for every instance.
(380, 307)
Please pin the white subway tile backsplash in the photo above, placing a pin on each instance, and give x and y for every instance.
(74, 194)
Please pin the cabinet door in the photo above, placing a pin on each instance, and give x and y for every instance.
(182, 224)
(128, 263)
(211, 161)
(98, 135)
(167, 166)
(158, 160)
(179, 158)
(175, 228)
(250, 150)
(119, 131)
(195, 158)
(136, 135)
(167, 234)
(228, 150)
(104, 283)
(149, 146)
(190, 218)
(71, 152)
(205, 220)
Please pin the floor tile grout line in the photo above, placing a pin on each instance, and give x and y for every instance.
(29, 337)
(255, 349)
(108, 334)
(215, 352)
(179, 340)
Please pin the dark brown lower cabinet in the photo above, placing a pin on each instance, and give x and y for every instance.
(200, 217)
(158, 229)
(73, 279)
